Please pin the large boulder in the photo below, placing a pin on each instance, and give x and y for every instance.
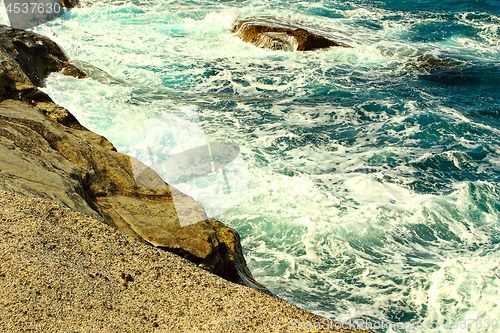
(47, 153)
(282, 34)
(35, 54)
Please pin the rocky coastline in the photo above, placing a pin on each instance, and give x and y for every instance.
(68, 204)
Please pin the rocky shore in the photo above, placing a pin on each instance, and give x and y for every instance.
(62, 271)
(46, 153)
(84, 229)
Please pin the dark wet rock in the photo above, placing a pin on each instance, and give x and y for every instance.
(426, 63)
(47, 153)
(36, 55)
(282, 34)
(69, 3)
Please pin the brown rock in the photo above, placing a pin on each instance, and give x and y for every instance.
(36, 55)
(281, 34)
(47, 153)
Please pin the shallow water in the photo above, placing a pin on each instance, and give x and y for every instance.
(367, 184)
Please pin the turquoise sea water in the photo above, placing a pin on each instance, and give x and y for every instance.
(367, 184)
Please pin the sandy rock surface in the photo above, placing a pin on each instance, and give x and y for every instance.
(282, 34)
(62, 271)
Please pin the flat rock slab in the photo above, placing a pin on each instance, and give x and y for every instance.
(282, 34)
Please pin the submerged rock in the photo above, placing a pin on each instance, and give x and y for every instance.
(427, 64)
(47, 153)
(281, 34)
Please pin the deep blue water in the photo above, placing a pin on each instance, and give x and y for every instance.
(367, 185)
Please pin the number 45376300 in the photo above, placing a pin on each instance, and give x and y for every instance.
(32, 8)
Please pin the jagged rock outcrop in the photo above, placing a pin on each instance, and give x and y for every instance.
(282, 34)
(46, 153)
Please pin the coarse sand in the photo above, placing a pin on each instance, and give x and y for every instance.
(61, 271)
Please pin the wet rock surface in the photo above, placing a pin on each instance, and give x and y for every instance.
(282, 34)
(36, 55)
